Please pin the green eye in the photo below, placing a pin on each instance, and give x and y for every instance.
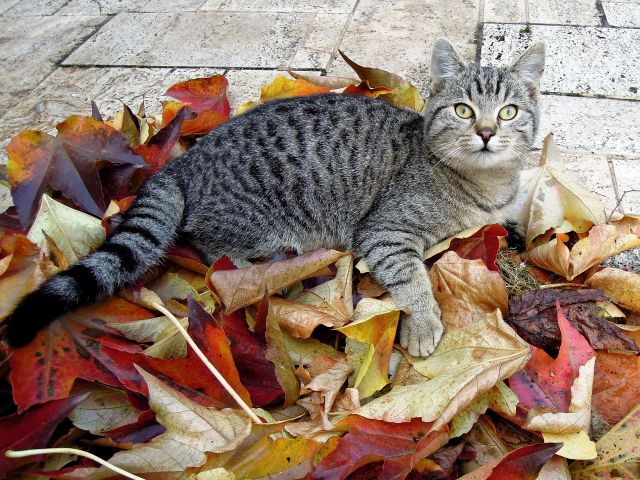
(508, 113)
(463, 110)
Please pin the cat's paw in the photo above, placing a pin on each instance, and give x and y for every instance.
(420, 334)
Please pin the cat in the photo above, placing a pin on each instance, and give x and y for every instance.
(338, 171)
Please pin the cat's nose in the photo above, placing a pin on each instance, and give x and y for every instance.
(486, 133)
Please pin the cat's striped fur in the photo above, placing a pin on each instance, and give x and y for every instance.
(326, 171)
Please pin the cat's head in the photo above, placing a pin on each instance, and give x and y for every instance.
(482, 117)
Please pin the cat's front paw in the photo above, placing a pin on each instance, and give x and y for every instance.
(421, 333)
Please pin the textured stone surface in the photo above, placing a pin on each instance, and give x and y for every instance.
(591, 124)
(592, 172)
(320, 42)
(69, 91)
(627, 173)
(565, 12)
(587, 60)
(245, 40)
(111, 7)
(622, 14)
(326, 6)
(25, 8)
(6, 5)
(398, 35)
(31, 46)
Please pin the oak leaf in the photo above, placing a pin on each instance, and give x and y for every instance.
(67, 162)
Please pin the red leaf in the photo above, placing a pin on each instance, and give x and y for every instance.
(66, 162)
(365, 90)
(484, 244)
(399, 445)
(257, 373)
(207, 97)
(77, 345)
(32, 429)
(189, 375)
(545, 381)
(522, 464)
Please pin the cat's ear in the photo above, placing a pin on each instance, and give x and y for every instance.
(445, 61)
(530, 65)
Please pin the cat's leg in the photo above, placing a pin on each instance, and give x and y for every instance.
(396, 264)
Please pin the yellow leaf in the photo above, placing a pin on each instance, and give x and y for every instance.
(106, 408)
(283, 87)
(622, 286)
(554, 202)
(468, 362)
(167, 342)
(278, 355)
(374, 323)
(74, 232)
(245, 107)
(466, 290)
(577, 445)
(618, 452)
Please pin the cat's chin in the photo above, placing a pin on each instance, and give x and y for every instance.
(486, 159)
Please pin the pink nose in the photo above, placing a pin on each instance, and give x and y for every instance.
(486, 134)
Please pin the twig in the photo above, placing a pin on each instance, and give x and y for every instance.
(554, 285)
(72, 451)
(207, 363)
(619, 203)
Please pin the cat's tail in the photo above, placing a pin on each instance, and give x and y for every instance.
(147, 230)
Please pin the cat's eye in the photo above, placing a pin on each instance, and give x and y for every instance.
(508, 113)
(463, 110)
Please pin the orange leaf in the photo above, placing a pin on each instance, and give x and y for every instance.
(283, 87)
(365, 90)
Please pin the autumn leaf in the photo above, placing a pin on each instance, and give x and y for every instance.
(283, 87)
(466, 290)
(374, 324)
(206, 97)
(622, 286)
(522, 464)
(554, 202)
(618, 452)
(66, 163)
(399, 445)
(333, 83)
(245, 286)
(75, 233)
(32, 428)
(191, 430)
(328, 384)
(166, 341)
(404, 94)
(468, 362)
(77, 345)
(365, 90)
(533, 315)
(300, 320)
(616, 383)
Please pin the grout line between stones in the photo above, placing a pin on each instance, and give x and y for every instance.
(597, 96)
(334, 54)
(541, 24)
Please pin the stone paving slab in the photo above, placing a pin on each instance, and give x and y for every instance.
(588, 60)
(561, 12)
(398, 35)
(622, 14)
(31, 48)
(591, 124)
(627, 172)
(25, 8)
(325, 6)
(111, 7)
(6, 5)
(202, 39)
(69, 91)
(593, 173)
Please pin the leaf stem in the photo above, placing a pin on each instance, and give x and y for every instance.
(207, 363)
(72, 451)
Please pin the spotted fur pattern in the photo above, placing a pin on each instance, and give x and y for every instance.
(326, 171)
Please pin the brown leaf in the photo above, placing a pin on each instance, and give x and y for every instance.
(533, 316)
(622, 286)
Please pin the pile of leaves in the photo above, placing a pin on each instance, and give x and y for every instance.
(539, 358)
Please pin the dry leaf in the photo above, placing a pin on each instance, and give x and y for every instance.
(622, 286)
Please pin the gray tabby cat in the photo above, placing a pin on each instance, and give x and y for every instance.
(328, 171)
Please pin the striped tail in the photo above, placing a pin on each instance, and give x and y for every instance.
(147, 230)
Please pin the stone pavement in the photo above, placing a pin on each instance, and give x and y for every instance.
(58, 55)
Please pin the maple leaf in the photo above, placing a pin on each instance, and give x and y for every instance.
(618, 452)
(374, 327)
(32, 428)
(66, 163)
(522, 464)
(467, 362)
(616, 383)
(283, 87)
(466, 290)
(622, 286)
(76, 345)
(399, 445)
(403, 93)
(533, 315)
(206, 97)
